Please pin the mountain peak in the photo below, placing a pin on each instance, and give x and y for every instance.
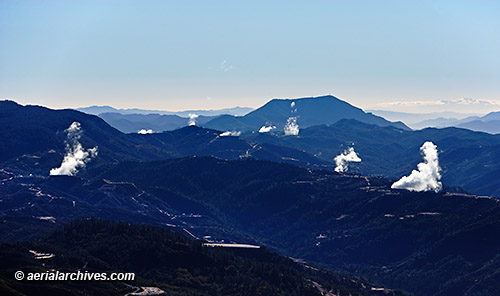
(308, 111)
(324, 97)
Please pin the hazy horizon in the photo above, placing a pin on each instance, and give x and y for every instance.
(430, 107)
(415, 57)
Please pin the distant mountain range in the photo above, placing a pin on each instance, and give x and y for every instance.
(32, 138)
(414, 119)
(326, 110)
(96, 110)
(132, 123)
(307, 111)
(386, 151)
(489, 123)
(468, 159)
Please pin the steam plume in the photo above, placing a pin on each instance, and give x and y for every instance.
(428, 174)
(230, 133)
(266, 129)
(342, 160)
(75, 156)
(192, 119)
(145, 131)
(291, 127)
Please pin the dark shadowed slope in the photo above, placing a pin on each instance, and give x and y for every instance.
(193, 140)
(162, 259)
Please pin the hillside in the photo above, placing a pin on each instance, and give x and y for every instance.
(161, 259)
(468, 159)
(354, 223)
(347, 222)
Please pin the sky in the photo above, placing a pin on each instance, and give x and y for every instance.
(412, 56)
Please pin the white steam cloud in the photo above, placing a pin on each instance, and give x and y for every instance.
(192, 119)
(266, 129)
(145, 131)
(428, 174)
(291, 127)
(342, 160)
(230, 134)
(75, 156)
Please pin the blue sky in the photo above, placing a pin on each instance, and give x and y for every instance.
(175, 55)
